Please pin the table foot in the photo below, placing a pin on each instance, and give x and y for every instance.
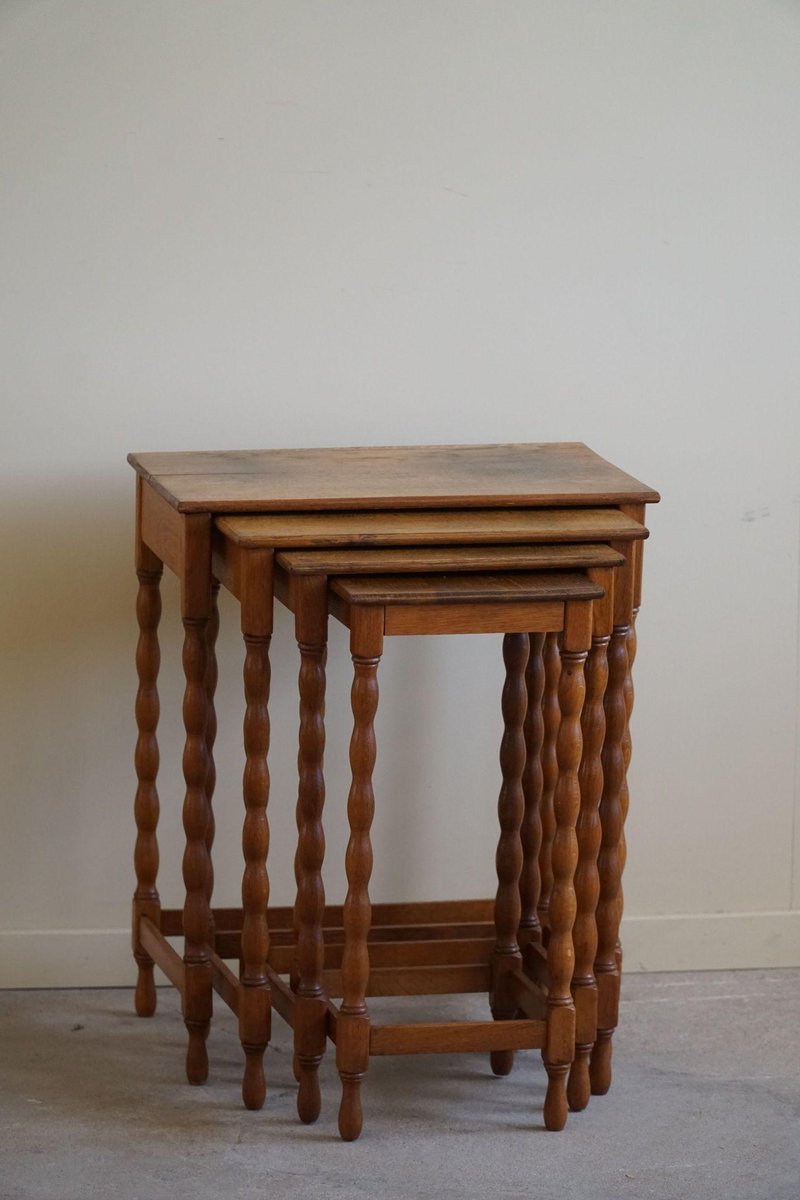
(351, 1117)
(578, 1083)
(145, 996)
(600, 1066)
(502, 1061)
(254, 1085)
(555, 1102)
(196, 1052)
(309, 1098)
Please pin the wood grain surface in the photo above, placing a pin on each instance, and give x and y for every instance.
(532, 474)
(446, 527)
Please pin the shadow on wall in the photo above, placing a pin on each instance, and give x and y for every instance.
(68, 684)
(66, 615)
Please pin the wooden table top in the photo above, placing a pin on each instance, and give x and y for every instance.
(470, 589)
(390, 477)
(412, 561)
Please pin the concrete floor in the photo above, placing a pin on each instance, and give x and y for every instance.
(705, 1104)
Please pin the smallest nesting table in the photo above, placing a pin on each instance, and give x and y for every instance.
(532, 1016)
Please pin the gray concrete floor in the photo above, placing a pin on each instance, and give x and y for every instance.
(705, 1103)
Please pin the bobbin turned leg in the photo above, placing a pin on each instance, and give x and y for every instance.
(609, 862)
(627, 749)
(587, 879)
(612, 812)
(145, 900)
(254, 997)
(606, 967)
(352, 1030)
(211, 736)
(510, 810)
(552, 718)
(530, 884)
(310, 1011)
(560, 1039)
(197, 1002)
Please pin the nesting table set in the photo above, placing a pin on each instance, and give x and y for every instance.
(539, 543)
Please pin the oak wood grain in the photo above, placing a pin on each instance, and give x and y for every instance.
(455, 1038)
(310, 1024)
(447, 528)
(435, 559)
(508, 856)
(146, 901)
(352, 1046)
(464, 589)
(389, 477)
(530, 883)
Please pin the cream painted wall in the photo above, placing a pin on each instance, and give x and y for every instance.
(311, 223)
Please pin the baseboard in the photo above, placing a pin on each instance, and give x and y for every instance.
(50, 958)
(712, 941)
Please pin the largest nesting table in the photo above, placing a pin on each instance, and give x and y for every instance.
(190, 512)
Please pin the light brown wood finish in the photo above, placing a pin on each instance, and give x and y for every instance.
(442, 1038)
(508, 860)
(393, 941)
(627, 752)
(610, 859)
(352, 1033)
(416, 619)
(530, 883)
(196, 607)
(363, 604)
(394, 591)
(443, 979)
(559, 1049)
(254, 999)
(551, 715)
(636, 554)
(447, 528)
(146, 806)
(428, 604)
(437, 559)
(587, 879)
(310, 1017)
(212, 675)
(388, 477)
(197, 995)
(158, 948)
(181, 539)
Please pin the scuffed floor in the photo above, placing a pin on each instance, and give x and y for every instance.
(705, 1104)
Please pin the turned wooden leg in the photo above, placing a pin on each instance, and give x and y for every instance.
(310, 1012)
(552, 719)
(560, 1038)
(627, 748)
(145, 900)
(609, 862)
(197, 994)
(254, 997)
(530, 884)
(510, 810)
(211, 736)
(587, 879)
(352, 1031)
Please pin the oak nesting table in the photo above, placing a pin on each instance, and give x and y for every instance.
(258, 522)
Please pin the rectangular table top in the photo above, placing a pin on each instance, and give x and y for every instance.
(470, 589)
(389, 477)
(416, 560)
(442, 527)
